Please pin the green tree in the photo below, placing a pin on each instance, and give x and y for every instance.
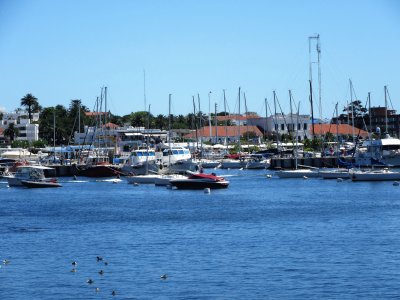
(11, 132)
(31, 103)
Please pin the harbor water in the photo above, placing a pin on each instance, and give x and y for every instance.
(262, 238)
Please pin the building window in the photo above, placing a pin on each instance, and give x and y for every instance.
(305, 126)
(298, 126)
(282, 127)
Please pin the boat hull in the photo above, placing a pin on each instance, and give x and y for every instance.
(297, 173)
(194, 184)
(40, 184)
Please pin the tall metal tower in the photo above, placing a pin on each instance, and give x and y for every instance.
(318, 62)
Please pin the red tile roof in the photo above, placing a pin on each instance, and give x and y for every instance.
(341, 129)
(224, 131)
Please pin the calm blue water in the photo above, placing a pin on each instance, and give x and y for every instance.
(259, 239)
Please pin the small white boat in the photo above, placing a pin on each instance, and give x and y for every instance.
(375, 175)
(298, 173)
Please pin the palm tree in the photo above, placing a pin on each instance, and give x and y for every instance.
(31, 102)
(11, 132)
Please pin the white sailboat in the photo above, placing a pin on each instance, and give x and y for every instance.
(375, 175)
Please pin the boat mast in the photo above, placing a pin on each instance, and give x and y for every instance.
(312, 113)
(266, 118)
(226, 121)
(239, 125)
(386, 110)
(352, 107)
(318, 48)
(337, 132)
(247, 122)
(195, 124)
(200, 124)
(169, 131)
(144, 89)
(54, 134)
(276, 124)
(216, 125)
(209, 113)
(148, 141)
(291, 114)
(297, 134)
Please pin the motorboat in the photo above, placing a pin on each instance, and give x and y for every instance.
(298, 173)
(40, 183)
(28, 173)
(375, 175)
(200, 181)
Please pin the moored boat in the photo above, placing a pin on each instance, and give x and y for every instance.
(29, 173)
(375, 175)
(197, 181)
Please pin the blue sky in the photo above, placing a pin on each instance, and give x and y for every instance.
(63, 50)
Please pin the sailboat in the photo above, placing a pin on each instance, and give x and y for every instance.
(298, 173)
(235, 161)
(97, 163)
(386, 150)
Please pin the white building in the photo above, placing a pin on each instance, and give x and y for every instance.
(20, 119)
(285, 124)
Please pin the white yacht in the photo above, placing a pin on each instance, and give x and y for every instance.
(28, 173)
(140, 161)
(386, 151)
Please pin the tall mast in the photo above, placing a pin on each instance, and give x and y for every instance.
(266, 117)
(386, 110)
(239, 124)
(148, 141)
(247, 123)
(226, 121)
(352, 107)
(200, 124)
(209, 113)
(144, 89)
(54, 134)
(312, 112)
(169, 131)
(276, 124)
(318, 49)
(216, 124)
(291, 114)
(195, 124)
(79, 122)
(297, 134)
